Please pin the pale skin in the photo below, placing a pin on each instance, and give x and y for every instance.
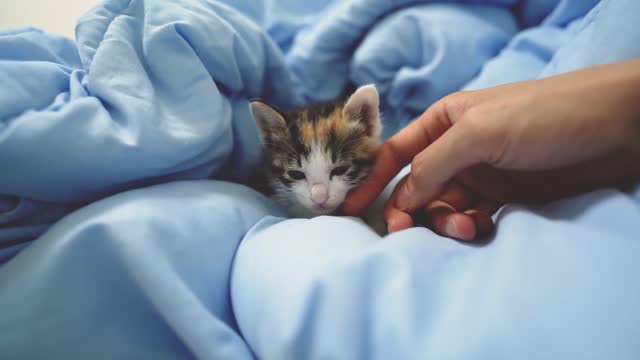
(529, 142)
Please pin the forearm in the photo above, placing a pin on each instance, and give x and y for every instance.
(609, 97)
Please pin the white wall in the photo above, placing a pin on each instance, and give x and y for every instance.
(56, 16)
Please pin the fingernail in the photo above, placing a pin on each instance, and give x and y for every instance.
(404, 198)
(394, 226)
(451, 229)
(391, 227)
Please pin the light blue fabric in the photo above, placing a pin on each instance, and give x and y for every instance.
(132, 277)
(348, 46)
(155, 91)
(555, 282)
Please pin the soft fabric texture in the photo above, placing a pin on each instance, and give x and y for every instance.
(126, 230)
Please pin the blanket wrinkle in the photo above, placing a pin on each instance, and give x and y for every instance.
(126, 230)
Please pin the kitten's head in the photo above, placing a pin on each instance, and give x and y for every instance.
(314, 155)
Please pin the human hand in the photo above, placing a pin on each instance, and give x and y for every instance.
(532, 141)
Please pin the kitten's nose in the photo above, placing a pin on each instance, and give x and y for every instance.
(319, 194)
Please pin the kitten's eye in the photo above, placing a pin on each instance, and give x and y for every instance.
(340, 170)
(296, 175)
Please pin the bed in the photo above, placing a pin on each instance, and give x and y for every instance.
(127, 230)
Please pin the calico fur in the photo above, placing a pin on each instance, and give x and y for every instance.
(313, 155)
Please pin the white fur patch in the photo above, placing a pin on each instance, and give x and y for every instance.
(317, 168)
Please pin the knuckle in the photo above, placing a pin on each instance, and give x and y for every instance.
(474, 123)
(482, 135)
(417, 169)
(458, 103)
(391, 155)
(387, 148)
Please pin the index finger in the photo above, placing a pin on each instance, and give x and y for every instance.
(395, 154)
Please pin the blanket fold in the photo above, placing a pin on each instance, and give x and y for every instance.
(126, 232)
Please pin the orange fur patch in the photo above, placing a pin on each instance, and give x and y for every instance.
(338, 124)
(307, 133)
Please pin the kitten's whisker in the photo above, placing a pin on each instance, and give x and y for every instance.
(313, 140)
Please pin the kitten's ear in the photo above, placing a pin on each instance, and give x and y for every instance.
(271, 124)
(363, 105)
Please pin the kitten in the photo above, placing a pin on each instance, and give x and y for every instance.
(314, 155)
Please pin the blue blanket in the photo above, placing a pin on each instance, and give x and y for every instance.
(126, 230)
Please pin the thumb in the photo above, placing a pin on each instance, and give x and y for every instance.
(438, 163)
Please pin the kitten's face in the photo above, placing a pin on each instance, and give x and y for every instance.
(316, 154)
